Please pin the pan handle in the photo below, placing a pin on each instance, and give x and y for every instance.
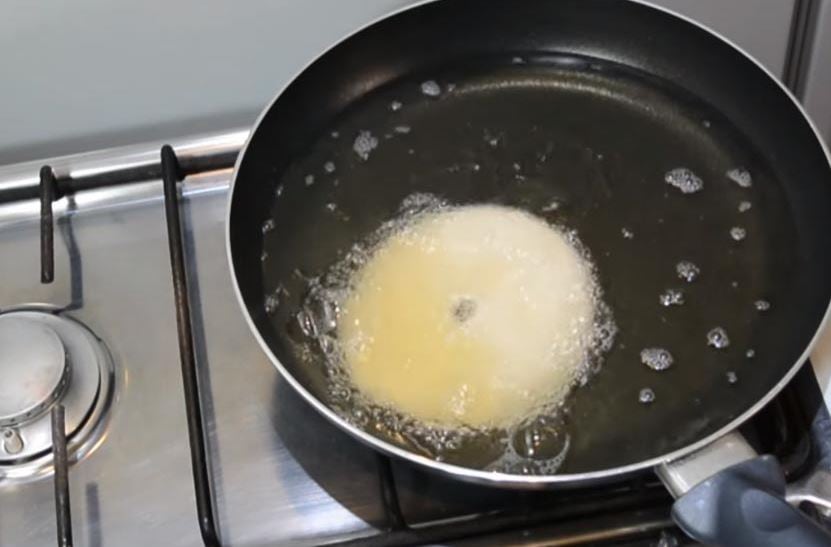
(727, 495)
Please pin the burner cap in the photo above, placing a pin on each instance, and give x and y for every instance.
(33, 369)
(45, 358)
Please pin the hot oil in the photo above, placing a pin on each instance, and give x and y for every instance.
(589, 151)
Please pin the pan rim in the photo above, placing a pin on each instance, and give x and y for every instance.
(494, 478)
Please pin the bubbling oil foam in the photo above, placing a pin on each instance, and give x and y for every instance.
(533, 441)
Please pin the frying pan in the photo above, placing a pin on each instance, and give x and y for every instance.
(589, 104)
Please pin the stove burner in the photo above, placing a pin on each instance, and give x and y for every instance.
(46, 358)
(34, 369)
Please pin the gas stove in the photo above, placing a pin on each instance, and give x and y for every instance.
(182, 433)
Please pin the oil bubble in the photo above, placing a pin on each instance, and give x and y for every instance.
(552, 206)
(741, 177)
(684, 179)
(738, 233)
(761, 305)
(273, 300)
(687, 271)
(656, 358)
(666, 539)
(431, 88)
(364, 144)
(718, 338)
(542, 438)
(671, 297)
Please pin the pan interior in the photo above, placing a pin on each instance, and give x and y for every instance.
(586, 145)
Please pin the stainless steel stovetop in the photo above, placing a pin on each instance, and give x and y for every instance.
(280, 474)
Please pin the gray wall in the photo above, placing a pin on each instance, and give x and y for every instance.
(95, 73)
(761, 27)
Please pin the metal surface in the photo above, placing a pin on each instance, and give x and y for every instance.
(640, 527)
(814, 489)
(571, 523)
(282, 475)
(126, 164)
(816, 97)
(679, 476)
(34, 368)
(12, 443)
(504, 479)
(84, 391)
(800, 45)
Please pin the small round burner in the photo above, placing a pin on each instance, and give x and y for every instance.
(45, 358)
(33, 369)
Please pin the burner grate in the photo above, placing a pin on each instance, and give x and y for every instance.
(172, 174)
(62, 506)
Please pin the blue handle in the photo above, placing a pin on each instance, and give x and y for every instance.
(744, 506)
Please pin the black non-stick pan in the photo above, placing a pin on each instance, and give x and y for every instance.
(587, 104)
